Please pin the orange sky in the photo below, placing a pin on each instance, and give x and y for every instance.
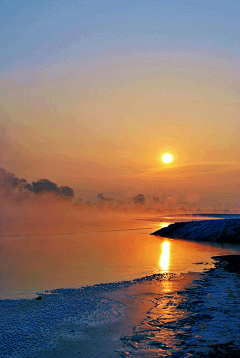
(94, 103)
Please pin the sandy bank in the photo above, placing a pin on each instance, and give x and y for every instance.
(227, 230)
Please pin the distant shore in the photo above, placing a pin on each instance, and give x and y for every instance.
(225, 230)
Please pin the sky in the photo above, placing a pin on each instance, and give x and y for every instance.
(94, 92)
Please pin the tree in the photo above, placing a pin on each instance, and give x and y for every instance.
(44, 186)
(24, 186)
(8, 181)
(101, 197)
(104, 202)
(139, 199)
(13, 185)
(66, 192)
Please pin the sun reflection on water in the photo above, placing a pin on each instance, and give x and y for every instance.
(160, 225)
(164, 224)
(165, 256)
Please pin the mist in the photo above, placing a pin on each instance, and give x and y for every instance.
(48, 214)
(42, 207)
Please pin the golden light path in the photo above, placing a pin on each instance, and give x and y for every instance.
(165, 256)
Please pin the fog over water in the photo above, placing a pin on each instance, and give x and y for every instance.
(50, 240)
(106, 248)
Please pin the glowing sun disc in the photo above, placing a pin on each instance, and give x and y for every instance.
(167, 158)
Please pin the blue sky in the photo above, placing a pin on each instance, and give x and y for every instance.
(36, 33)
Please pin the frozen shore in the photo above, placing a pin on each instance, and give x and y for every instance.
(226, 230)
(165, 315)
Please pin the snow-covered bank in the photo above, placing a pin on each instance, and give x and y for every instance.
(201, 321)
(227, 230)
(82, 322)
(180, 316)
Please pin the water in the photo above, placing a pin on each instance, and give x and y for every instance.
(30, 264)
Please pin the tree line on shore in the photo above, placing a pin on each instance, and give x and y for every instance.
(12, 185)
(19, 188)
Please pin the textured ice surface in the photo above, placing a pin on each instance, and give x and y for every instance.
(192, 322)
(182, 323)
(28, 327)
(227, 230)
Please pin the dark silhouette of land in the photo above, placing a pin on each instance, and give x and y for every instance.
(226, 230)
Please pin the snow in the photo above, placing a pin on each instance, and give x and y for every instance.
(185, 319)
(226, 230)
(198, 320)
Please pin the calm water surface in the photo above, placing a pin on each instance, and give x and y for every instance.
(30, 264)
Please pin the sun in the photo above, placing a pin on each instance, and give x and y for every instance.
(167, 158)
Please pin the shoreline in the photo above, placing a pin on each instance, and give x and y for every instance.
(80, 322)
(222, 231)
(169, 315)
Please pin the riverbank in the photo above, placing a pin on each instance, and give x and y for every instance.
(186, 315)
(76, 322)
(201, 321)
(225, 230)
